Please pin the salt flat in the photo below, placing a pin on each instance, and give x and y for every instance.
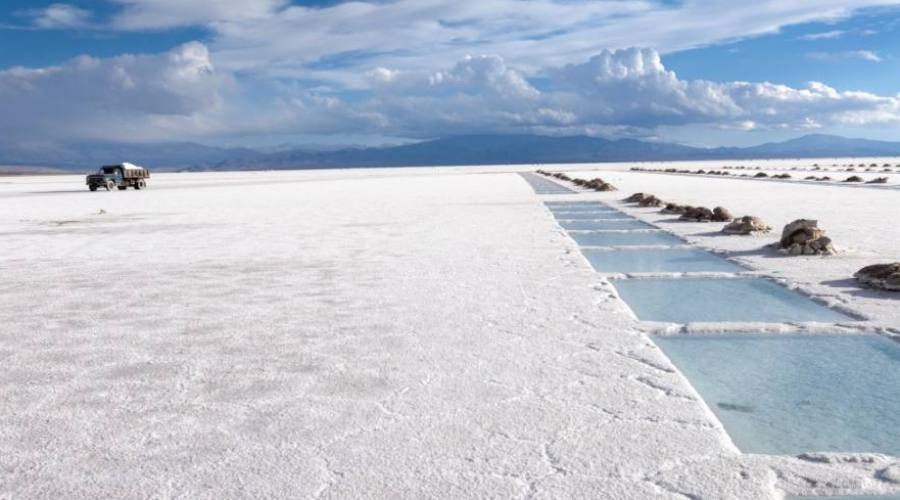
(390, 333)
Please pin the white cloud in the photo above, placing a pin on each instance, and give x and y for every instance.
(57, 16)
(868, 55)
(157, 14)
(487, 74)
(382, 75)
(478, 94)
(125, 97)
(746, 126)
(620, 88)
(827, 35)
(865, 55)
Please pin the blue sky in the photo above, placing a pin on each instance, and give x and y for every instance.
(262, 72)
(792, 56)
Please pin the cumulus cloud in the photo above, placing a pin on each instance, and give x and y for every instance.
(119, 98)
(616, 88)
(487, 74)
(633, 87)
(478, 94)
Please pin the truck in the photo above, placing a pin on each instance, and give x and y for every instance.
(120, 176)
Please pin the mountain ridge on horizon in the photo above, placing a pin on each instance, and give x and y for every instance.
(483, 149)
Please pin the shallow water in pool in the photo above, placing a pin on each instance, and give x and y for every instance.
(790, 394)
(604, 225)
(658, 261)
(592, 215)
(631, 238)
(688, 300)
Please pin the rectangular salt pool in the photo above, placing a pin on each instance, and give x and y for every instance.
(610, 215)
(540, 185)
(659, 261)
(593, 207)
(604, 225)
(631, 238)
(583, 208)
(689, 300)
(790, 394)
(570, 205)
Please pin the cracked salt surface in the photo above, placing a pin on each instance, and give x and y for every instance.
(275, 352)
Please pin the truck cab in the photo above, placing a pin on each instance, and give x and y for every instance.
(121, 176)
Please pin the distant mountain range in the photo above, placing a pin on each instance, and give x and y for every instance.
(462, 150)
(90, 155)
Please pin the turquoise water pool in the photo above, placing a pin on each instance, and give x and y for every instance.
(689, 300)
(604, 225)
(582, 208)
(574, 205)
(658, 261)
(542, 185)
(631, 238)
(790, 394)
(592, 215)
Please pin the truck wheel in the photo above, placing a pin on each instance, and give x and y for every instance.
(110, 186)
(92, 188)
(140, 185)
